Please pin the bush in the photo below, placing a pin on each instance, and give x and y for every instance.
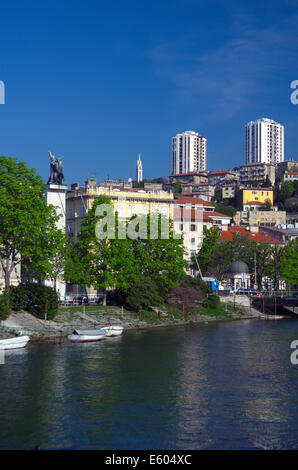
(4, 305)
(143, 294)
(212, 301)
(33, 299)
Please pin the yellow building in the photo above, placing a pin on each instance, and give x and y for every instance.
(257, 195)
(126, 201)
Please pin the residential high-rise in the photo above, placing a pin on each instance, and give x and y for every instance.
(139, 171)
(189, 152)
(264, 141)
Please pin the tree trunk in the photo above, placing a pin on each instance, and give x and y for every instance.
(104, 299)
(7, 275)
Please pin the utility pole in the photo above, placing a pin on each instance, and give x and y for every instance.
(199, 269)
(255, 268)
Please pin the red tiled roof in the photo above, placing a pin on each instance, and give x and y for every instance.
(197, 215)
(291, 172)
(219, 173)
(189, 174)
(260, 237)
(192, 200)
(218, 214)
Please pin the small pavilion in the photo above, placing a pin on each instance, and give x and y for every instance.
(238, 275)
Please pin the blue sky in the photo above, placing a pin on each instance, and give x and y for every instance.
(98, 82)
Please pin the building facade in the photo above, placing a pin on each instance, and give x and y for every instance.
(261, 195)
(264, 141)
(126, 201)
(257, 171)
(191, 217)
(189, 153)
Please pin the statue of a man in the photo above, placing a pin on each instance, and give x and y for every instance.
(60, 176)
(56, 168)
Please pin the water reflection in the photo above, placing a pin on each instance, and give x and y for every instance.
(225, 385)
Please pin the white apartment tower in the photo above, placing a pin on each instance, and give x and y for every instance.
(264, 141)
(139, 171)
(189, 153)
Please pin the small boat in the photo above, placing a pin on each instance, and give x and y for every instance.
(113, 330)
(86, 336)
(14, 343)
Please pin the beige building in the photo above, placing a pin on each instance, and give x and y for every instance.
(203, 190)
(191, 217)
(229, 190)
(287, 165)
(126, 201)
(290, 176)
(193, 178)
(255, 216)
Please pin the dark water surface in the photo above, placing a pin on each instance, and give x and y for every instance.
(227, 385)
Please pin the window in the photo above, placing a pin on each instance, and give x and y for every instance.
(181, 227)
(70, 213)
(193, 227)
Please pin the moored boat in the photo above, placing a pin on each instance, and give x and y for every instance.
(86, 336)
(113, 330)
(14, 343)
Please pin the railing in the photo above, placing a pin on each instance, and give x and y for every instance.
(90, 299)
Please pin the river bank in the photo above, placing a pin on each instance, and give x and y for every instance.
(89, 317)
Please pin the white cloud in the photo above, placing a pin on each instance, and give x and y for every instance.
(239, 70)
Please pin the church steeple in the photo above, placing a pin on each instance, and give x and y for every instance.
(139, 172)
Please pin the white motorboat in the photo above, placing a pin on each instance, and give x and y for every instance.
(86, 336)
(14, 343)
(113, 330)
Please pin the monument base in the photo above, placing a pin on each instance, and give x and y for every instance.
(56, 196)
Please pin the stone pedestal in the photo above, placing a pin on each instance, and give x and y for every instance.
(57, 197)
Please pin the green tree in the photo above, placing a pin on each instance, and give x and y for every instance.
(122, 257)
(220, 260)
(177, 187)
(266, 183)
(160, 257)
(268, 205)
(273, 267)
(204, 255)
(101, 263)
(225, 209)
(143, 294)
(28, 232)
(262, 254)
(287, 190)
(289, 262)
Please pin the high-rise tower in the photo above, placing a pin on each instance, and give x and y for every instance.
(264, 141)
(189, 152)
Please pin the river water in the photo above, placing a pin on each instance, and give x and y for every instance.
(227, 385)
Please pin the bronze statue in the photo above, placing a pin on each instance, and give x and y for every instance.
(56, 167)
